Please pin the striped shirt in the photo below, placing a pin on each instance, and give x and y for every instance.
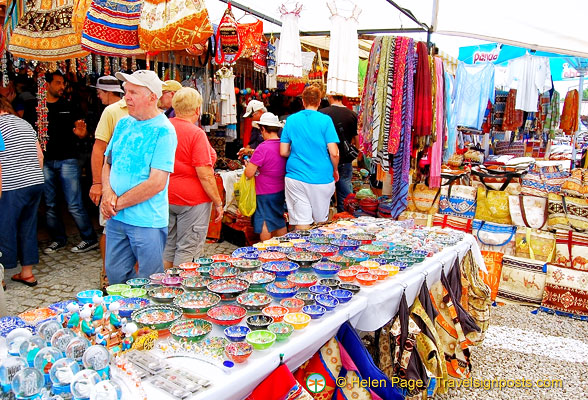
(20, 165)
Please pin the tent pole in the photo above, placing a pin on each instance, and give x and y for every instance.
(253, 12)
(408, 13)
(575, 140)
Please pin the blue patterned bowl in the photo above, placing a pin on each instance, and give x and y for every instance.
(281, 290)
(327, 301)
(7, 324)
(319, 289)
(258, 322)
(228, 288)
(85, 296)
(128, 305)
(315, 311)
(356, 255)
(280, 268)
(326, 268)
(345, 244)
(236, 333)
(137, 282)
(108, 300)
(342, 295)
(61, 306)
(241, 251)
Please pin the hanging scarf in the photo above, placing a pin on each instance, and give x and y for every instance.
(437, 148)
(367, 102)
(569, 116)
(423, 104)
(451, 128)
(552, 117)
(513, 119)
(398, 93)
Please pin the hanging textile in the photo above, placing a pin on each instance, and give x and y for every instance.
(552, 117)
(228, 100)
(229, 45)
(343, 51)
(569, 115)
(474, 86)
(251, 36)
(542, 108)
(45, 32)
(366, 110)
(530, 75)
(271, 81)
(289, 57)
(513, 118)
(15, 10)
(449, 118)
(423, 111)
(435, 154)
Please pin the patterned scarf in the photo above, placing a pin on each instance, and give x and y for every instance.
(367, 101)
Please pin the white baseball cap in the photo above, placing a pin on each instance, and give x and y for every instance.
(268, 119)
(108, 84)
(146, 78)
(253, 106)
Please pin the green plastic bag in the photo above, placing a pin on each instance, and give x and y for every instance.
(245, 195)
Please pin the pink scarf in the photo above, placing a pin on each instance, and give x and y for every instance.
(436, 152)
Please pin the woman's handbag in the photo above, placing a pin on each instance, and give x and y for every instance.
(458, 201)
(522, 281)
(493, 206)
(529, 211)
(567, 213)
(577, 184)
(571, 250)
(534, 244)
(449, 221)
(540, 181)
(494, 237)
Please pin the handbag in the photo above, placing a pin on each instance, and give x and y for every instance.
(420, 219)
(45, 32)
(576, 185)
(251, 36)
(493, 263)
(228, 41)
(494, 237)
(423, 199)
(167, 25)
(571, 250)
(534, 244)
(456, 160)
(245, 195)
(449, 221)
(567, 213)
(458, 201)
(540, 181)
(528, 211)
(110, 28)
(497, 179)
(349, 150)
(565, 292)
(506, 147)
(493, 206)
(522, 281)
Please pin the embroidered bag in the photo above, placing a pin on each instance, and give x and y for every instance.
(475, 297)
(577, 184)
(571, 250)
(423, 199)
(540, 181)
(497, 179)
(522, 281)
(567, 213)
(566, 292)
(494, 237)
(458, 201)
(493, 206)
(493, 263)
(228, 41)
(173, 25)
(506, 147)
(457, 223)
(528, 211)
(534, 244)
(420, 219)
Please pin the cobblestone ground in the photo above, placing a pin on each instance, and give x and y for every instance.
(63, 274)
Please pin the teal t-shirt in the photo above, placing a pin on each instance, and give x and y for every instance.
(2, 147)
(135, 148)
(308, 133)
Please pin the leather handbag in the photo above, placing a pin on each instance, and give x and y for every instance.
(576, 185)
(522, 281)
(534, 244)
(494, 237)
(567, 213)
(458, 201)
(571, 250)
(493, 206)
(540, 181)
(528, 211)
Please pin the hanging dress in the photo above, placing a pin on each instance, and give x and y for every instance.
(343, 52)
(289, 54)
(228, 103)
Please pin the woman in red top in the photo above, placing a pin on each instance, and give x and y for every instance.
(192, 186)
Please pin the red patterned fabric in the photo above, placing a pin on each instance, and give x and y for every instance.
(423, 100)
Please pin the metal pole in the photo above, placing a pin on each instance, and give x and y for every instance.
(408, 13)
(253, 12)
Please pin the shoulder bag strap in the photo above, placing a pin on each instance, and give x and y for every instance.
(565, 207)
(513, 231)
(524, 214)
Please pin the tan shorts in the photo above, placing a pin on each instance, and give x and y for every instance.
(308, 203)
(187, 230)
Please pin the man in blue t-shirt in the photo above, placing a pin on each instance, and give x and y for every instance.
(139, 159)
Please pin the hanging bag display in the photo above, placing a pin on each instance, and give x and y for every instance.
(567, 213)
(528, 211)
(458, 201)
(522, 281)
(497, 179)
(576, 185)
(423, 199)
(540, 181)
(457, 223)
(228, 42)
(571, 250)
(494, 237)
(173, 24)
(534, 244)
(251, 35)
(493, 206)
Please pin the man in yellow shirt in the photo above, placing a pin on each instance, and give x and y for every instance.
(109, 92)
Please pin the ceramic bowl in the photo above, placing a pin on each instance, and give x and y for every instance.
(347, 275)
(380, 261)
(356, 255)
(117, 289)
(190, 330)
(292, 304)
(226, 314)
(128, 305)
(223, 271)
(189, 274)
(319, 240)
(417, 258)
(236, 333)
(380, 273)
(371, 250)
(315, 311)
(204, 270)
(228, 288)
(157, 317)
(345, 244)
(343, 261)
(150, 286)
(391, 269)
(326, 268)
(319, 289)
(85, 296)
(302, 246)
(282, 249)
(195, 283)
(261, 340)
(307, 297)
(303, 279)
(189, 266)
(193, 303)
(405, 260)
(258, 322)
(257, 279)
(330, 282)
(157, 277)
(353, 288)
(241, 251)
(137, 282)
(254, 301)
(342, 295)
(304, 258)
(360, 269)
(282, 330)
(173, 271)
(327, 301)
(281, 290)
(205, 261)
(238, 352)
(9, 323)
(281, 269)
(170, 280)
(267, 256)
(325, 250)
(165, 294)
(108, 300)
(370, 264)
(276, 312)
(251, 257)
(220, 257)
(366, 279)
(298, 320)
(247, 265)
(363, 238)
(37, 315)
(61, 306)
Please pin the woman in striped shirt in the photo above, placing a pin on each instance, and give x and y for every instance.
(22, 187)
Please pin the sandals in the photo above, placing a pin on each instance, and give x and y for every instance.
(27, 281)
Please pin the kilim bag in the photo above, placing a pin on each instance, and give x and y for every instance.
(567, 213)
(475, 297)
(493, 206)
(494, 237)
(110, 28)
(506, 147)
(528, 211)
(228, 45)
(45, 32)
(534, 244)
(420, 219)
(173, 24)
(457, 223)
(458, 201)
(522, 281)
(540, 181)
(571, 250)
(566, 292)
(577, 184)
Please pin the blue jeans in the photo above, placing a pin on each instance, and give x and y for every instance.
(127, 244)
(65, 173)
(343, 186)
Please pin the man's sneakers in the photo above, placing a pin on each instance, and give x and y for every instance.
(54, 247)
(84, 246)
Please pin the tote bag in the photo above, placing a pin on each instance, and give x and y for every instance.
(528, 211)
(494, 237)
(534, 244)
(423, 199)
(571, 250)
(493, 206)
(457, 223)
(566, 292)
(522, 281)
(540, 181)
(567, 213)
(577, 184)
(458, 201)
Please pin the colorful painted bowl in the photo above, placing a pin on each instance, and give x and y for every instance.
(241, 251)
(128, 305)
(343, 261)
(315, 311)
(257, 279)
(282, 330)
(205, 261)
(380, 261)
(327, 301)
(193, 303)
(157, 317)
(117, 289)
(380, 273)
(281, 249)
(189, 266)
(85, 296)
(172, 281)
(371, 250)
(353, 288)
(281, 290)
(189, 274)
(251, 256)
(306, 297)
(325, 250)
(196, 283)
(298, 320)
(347, 275)
(247, 265)
(10, 323)
(223, 271)
(253, 301)
(401, 265)
(319, 240)
(405, 260)
(370, 264)
(345, 244)
(137, 282)
(304, 258)
(260, 246)
(267, 256)
(417, 258)
(258, 322)
(204, 270)
(366, 279)
(360, 269)
(173, 271)
(280, 268)
(384, 244)
(190, 330)
(33, 317)
(236, 333)
(238, 352)
(303, 279)
(276, 312)
(391, 269)
(261, 340)
(292, 304)
(363, 238)
(342, 295)
(330, 282)
(165, 294)
(226, 314)
(301, 246)
(326, 268)
(220, 257)
(157, 277)
(61, 306)
(292, 235)
(357, 256)
(319, 289)
(150, 286)
(136, 292)
(228, 288)
(108, 300)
